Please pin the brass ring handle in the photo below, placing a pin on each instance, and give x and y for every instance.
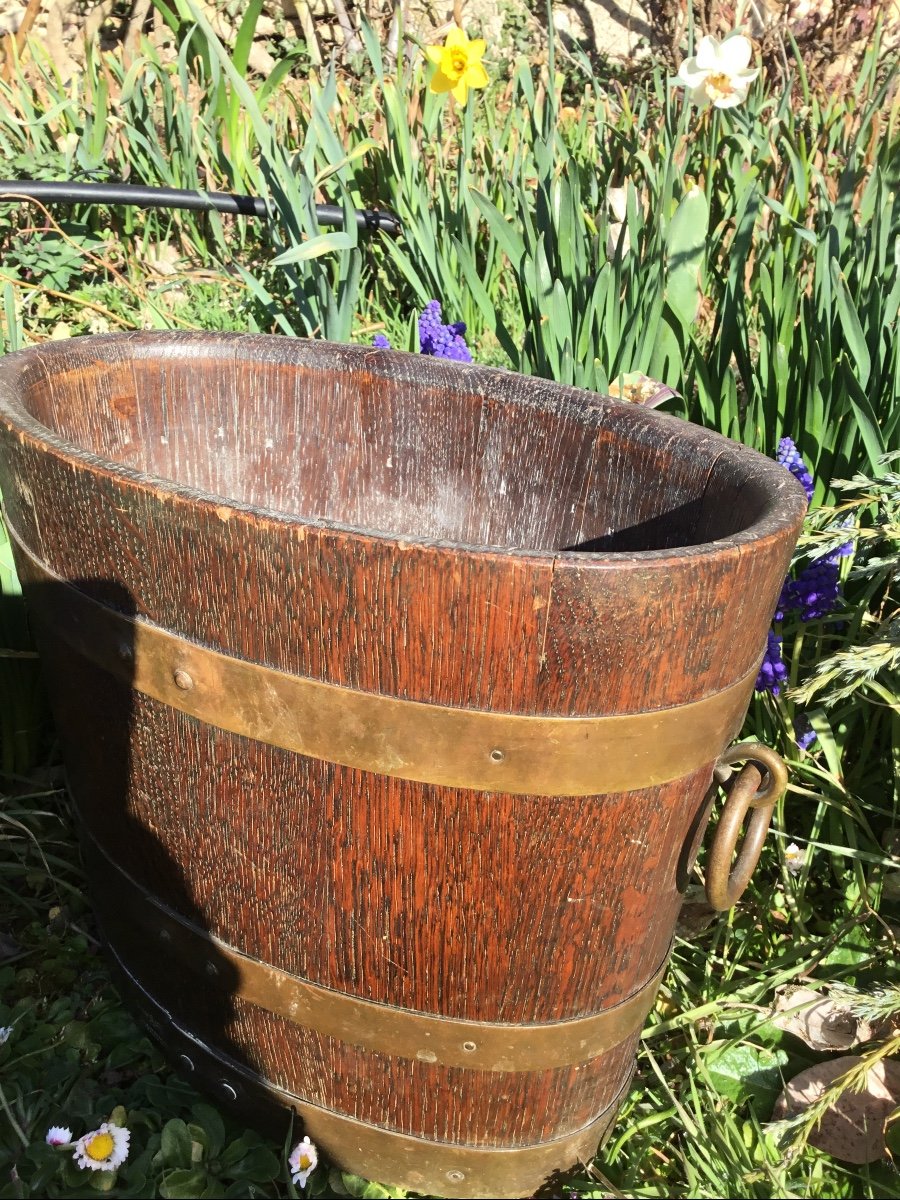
(725, 884)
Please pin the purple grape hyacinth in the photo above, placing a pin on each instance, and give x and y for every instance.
(772, 671)
(816, 591)
(814, 594)
(789, 456)
(440, 340)
(803, 732)
(435, 338)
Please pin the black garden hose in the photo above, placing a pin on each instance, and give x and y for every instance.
(140, 196)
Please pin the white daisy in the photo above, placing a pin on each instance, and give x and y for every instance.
(104, 1149)
(303, 1161)
(58, 1135)
(794, 858)
(719, 73)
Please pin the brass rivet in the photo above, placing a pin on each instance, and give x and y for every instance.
(497, 756)
(165, 936)
(211, 968)
(455, 1176)
(226, 1091)
(185, 1062)
(125, 652)
(470, 1046)
(183, 680)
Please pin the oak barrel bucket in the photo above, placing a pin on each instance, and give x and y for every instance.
(390, 692)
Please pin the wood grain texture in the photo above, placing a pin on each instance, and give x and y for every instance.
(422, 530)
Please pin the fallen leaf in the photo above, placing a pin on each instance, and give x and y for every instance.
(696, 913)
(819, 1021)
(163, 258)
(640, 389)
(853, 1129)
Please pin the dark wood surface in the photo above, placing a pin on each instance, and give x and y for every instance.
(398, 525)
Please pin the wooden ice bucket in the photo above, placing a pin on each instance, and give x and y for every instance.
(390, 693)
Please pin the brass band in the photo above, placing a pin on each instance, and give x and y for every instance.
(430, 743)
(129, 914)
(435, 1168)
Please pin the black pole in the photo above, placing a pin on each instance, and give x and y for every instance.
(138, 195)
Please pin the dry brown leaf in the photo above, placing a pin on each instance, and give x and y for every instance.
(162, 258)
(818, 1020)
(852, 1130)
(696, 913)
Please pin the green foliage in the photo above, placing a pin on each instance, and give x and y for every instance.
(745, 1071)
(75, 1057)
(21, 697)
(866, 666)
(756, 272)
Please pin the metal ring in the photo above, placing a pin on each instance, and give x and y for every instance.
(758, 786)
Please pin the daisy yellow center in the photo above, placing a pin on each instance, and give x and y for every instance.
(305, 1162)
(718, 86)
(455, 62)
(99, 1147)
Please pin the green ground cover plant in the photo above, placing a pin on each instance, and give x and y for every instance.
(747, 260)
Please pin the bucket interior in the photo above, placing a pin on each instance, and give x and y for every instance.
(395, 444)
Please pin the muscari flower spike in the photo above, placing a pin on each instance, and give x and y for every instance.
(816, 591)
(804, 733)
(814, 594)
(789, 456)
(440, 340)
(435, 338)
(103, 1149)
(772, 671)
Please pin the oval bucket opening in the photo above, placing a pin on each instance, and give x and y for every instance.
(398, 445)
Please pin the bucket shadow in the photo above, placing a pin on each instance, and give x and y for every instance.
(24, 714)
(156, 934)
(693, 840)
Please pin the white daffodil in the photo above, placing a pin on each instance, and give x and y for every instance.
(303, 1161)
(719, 73)
(104, 1149)
(58, 1135)
(617, 199)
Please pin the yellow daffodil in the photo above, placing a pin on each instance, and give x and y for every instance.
(458, 64)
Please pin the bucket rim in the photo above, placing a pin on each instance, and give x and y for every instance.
(783, 509)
